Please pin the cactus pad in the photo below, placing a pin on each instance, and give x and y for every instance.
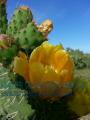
(30, 37)
(13, 104)
(21, 17)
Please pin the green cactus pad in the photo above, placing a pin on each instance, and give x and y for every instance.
(21, 17)
(13, 102)
(30, 37)
(7, 55)
(3, 17)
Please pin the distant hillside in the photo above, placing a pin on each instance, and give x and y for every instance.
(81, 59)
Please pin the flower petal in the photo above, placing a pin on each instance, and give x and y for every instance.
(58, 59)
(36, 72)
(21, 66)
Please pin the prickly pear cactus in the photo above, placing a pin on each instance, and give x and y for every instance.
(3, 16)
(7, 49)
(13, 103)
(21, 17)
(30, 37)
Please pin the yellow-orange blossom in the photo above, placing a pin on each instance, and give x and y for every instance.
(48, 69)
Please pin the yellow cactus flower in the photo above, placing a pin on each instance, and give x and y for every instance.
(21, 65)
(50, 68)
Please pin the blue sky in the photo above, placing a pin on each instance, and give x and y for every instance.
(71, 19)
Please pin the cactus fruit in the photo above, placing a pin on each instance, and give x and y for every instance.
(8, 49)
(3, 17)
(5, 41)
(21, 17)
(30, 37)
(3, 1)
(46, 27)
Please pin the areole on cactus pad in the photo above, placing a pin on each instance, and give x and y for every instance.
(48, 70)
